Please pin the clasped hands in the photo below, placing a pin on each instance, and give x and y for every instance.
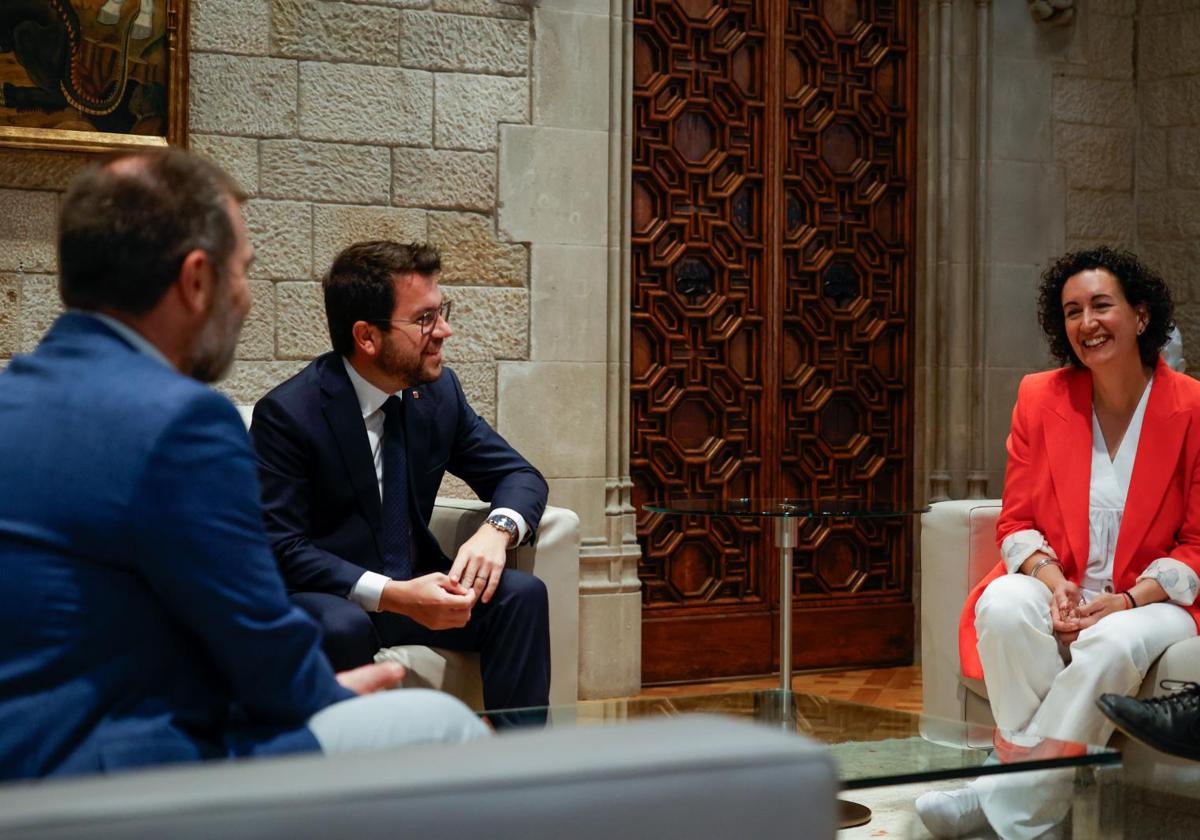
(444, 601)
(437, 601)
(1070, 613)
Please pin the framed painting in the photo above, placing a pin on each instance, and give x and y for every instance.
(93, 75)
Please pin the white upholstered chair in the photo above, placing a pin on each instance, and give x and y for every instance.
(958, 547)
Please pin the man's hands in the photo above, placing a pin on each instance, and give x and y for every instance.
(371, 678)
(439, 601)
(436, 601)
(480, 561)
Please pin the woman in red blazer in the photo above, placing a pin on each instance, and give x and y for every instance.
(1099, 532)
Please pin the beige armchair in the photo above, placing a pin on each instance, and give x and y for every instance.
(554, 558)
(958, 547)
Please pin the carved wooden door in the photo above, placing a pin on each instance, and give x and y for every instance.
(773, 206)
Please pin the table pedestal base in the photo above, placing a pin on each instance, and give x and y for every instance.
(851, 814)
(787, 532)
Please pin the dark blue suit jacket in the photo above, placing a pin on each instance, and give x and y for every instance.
(320, 491)
(142, 617)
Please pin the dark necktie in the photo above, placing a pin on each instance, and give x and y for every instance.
(397, 526)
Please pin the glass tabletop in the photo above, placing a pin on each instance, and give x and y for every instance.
(873, 747)
(800, 508)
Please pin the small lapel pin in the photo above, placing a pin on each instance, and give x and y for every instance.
(416, 396)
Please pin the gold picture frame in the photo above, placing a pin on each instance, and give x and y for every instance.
(117, 68)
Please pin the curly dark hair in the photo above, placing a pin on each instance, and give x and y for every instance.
(1139, 284)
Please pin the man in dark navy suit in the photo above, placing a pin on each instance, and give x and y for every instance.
(351, 453)
(142, 616)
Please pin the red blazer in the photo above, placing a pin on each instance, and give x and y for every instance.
(1046, 485)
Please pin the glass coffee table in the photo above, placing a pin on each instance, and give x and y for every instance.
(787, 514)
(873, 747)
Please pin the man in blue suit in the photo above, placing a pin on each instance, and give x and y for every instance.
(142, 617)
(351, 453)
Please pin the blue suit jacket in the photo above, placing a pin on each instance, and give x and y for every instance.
(320, 490)
(142, 617)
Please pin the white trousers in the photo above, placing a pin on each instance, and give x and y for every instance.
(1037, 688)
(388, 719)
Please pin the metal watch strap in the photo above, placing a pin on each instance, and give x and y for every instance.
(506, 524)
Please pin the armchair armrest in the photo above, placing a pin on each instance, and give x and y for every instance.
(553, 559)
(958, 547)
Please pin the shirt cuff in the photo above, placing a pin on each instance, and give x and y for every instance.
(522, 528)
(1019, 546)
(1177, 580)
(368, 590)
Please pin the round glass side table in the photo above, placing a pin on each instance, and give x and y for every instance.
(788, 514)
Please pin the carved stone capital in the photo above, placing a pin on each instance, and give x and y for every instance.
(1052, 12)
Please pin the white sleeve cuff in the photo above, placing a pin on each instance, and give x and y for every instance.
(368, 590)
(1018, 547)
(522, 528)
(1177, 580)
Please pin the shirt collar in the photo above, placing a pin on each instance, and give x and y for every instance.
(139, 341)
(370, 398)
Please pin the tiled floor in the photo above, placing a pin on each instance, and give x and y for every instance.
(890, 688)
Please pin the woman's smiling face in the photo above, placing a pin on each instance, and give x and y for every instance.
(1102, 326)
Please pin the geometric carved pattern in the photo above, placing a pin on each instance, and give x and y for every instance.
(847, 263)
(698, 307)
(772, 213)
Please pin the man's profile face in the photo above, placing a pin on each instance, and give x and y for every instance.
(406, 354)
(217, 342)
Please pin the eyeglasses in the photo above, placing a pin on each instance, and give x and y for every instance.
(427, 320)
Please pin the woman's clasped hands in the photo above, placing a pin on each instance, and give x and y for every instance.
(1065, 603)
(1071, 612)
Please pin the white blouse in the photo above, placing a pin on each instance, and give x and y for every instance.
(1106, 504)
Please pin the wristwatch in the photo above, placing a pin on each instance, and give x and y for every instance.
(506, 524)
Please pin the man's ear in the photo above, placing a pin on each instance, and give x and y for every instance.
(197, 282)
(367, 339)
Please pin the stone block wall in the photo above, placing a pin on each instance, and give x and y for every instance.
(1168, 152)
(342, 121)
(1064, 120)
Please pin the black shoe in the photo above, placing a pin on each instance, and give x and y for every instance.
(1170, 724)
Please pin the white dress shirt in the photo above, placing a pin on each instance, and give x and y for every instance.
(368, 589)
(1106, 505)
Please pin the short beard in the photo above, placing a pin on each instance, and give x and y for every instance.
(391, 363)
(213, 352)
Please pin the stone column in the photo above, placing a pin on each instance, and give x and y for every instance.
(563, 187)
(996, 200)
(1167, 191)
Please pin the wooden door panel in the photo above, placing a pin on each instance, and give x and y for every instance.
(698, 309)
(772, 251)
(846, 376)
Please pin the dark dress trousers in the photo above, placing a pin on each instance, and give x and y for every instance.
(324, 518)
(142, 617)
